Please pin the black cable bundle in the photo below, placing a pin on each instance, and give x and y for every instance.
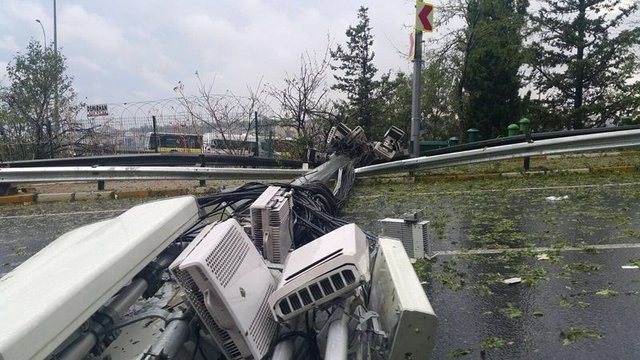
(316, 209)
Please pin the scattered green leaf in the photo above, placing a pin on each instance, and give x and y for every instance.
(493, 342)
(511, 312)
(573, 334)
(607, 293)
(582, 267)
(456, 353)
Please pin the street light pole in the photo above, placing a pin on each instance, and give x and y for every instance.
(44, 35)
(55, 28)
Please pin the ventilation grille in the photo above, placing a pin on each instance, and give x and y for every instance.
(280, 239)
(227, 257)
(196, 299)
(426, 243)
(256, 227)
(414, 236)
(263, 326)
(317, 291)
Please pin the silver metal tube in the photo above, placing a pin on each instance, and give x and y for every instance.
(120, 305)
(80, 348)
(128, 296)
(283, 351)
(337, 338)
(174, 336)
(324, 172)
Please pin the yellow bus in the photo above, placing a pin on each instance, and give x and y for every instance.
(166, 142)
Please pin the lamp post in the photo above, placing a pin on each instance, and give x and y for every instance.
(55, 29)
(44, 35)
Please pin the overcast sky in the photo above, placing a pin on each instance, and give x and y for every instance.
(126, 51)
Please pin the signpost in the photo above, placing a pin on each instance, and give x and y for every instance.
(97, 110)
(424, 22)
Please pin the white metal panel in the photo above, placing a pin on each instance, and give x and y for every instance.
(51, 294)
(403, 306)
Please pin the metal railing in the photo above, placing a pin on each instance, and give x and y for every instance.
(580, 143)
(98, 173)
(572, 144)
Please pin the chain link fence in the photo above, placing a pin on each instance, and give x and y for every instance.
(129, 128)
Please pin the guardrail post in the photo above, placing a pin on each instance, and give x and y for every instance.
(472, 135)
(100, 185)
(5, 188)
(526, 130)
(202, 182)
(513, 130)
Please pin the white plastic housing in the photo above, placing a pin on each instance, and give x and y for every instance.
(400, 301)
(414, 235)
(45, 299)
(227, 282)
(272, 224)
(324, 269)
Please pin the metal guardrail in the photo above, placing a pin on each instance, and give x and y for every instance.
(522, 138)
(97, 173)
(171, 159)
(580, 143)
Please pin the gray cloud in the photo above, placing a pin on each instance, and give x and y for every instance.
(121, 51)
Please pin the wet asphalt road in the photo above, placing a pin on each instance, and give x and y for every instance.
(574, 302)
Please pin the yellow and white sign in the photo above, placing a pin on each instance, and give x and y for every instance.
(424, 16)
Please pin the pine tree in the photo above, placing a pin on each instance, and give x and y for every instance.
(584, 67)
(493, 56)
(356, 73)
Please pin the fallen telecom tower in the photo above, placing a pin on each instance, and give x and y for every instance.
(259, 272)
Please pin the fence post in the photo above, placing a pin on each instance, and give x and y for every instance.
(257, 153)
(155, 133)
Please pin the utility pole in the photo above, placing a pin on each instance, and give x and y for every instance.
(414, 144)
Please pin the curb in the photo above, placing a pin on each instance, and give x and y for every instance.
(28, 199)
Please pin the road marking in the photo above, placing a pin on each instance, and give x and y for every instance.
(63, 214)
(560, 187)
(537, 249)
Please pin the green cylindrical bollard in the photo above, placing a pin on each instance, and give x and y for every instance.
(454, 141)
(524, 125)
(472, 135)
(513, 130)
